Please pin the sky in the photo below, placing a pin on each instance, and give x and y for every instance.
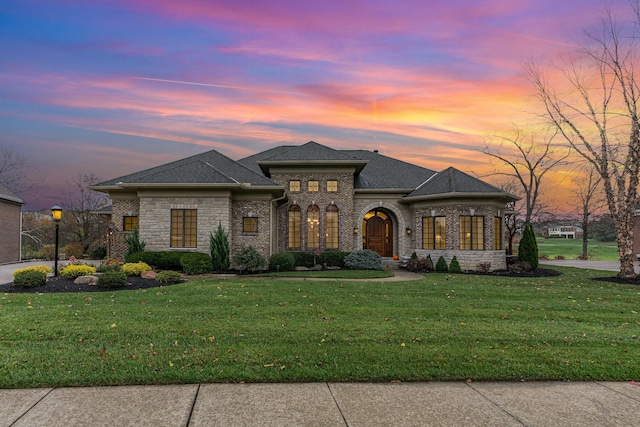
(114, 87)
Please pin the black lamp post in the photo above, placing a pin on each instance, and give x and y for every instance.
(56, 213)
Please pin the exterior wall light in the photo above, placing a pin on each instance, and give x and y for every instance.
(408, 229)
(355, 230)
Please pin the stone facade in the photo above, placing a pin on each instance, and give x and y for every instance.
(255, 206)
(10, 231)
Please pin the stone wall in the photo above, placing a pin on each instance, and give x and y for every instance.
(342, 199)
(400, 215)
(260, 240)
(10, 231)
(121, 206)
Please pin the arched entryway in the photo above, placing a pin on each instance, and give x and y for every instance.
(377, 232)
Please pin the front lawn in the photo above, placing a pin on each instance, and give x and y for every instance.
(331, 274)
(444, 327)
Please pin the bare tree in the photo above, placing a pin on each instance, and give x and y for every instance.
(84, 225)
(589, 199)
(525, 157)
(594, 106)
(16, 173)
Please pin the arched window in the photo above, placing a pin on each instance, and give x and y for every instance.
(313, 227)
(332, 227)
(294, 226)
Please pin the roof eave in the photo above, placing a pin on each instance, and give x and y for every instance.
(12, 199)
(384, 190)
(453, 195)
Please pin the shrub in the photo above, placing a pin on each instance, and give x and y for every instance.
(249, 259)
(135, 268)
(29, 278)
(282, 261)
(303, 259)
(560, 257)
(99, 252)
(109, 264)
(169, 276)
(363, 260)
(414, 255)
(332, 258)
(219, 248)
(166, 260)
(48, 251)
(195, 263)
(454, 266)
(484, 267)
(112, 279)
(528, 248)
(73, 271)
(134, 244)
(519, 267)
(420, 265)
(74, 250)
(441, 265)
(42, 268)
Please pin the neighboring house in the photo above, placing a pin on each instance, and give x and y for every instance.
(564, 232)
(311, 198)
(10, 225)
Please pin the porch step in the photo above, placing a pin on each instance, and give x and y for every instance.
(390, 264)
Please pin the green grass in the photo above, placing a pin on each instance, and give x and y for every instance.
(331, 274)
(444, 327)
(572, 249)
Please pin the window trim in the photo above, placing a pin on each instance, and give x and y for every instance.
(135, 224)
(188, 233)
(498, 238)
(430, 232)
(313, 230)
(332, 225)
(472, 242)
(294, 186)
(316, 186)
(294, 233)
(245, 223)
(334, 186)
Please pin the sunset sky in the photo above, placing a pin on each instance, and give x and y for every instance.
(113, 87)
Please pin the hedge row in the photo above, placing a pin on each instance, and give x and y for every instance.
(189, 262)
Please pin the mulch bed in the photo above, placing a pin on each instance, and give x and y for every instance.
(60, 284)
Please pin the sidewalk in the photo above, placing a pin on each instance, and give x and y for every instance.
(582, 404)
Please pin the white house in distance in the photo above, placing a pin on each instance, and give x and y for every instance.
(311, 198)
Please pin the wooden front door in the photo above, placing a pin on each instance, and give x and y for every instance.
(379, 235)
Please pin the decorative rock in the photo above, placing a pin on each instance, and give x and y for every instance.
(86, 280)
(316, 267)
(148, 275)
(301, 268)
(333, 267)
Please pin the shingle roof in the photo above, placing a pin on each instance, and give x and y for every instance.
(7, 194)
(210, 167)
(451, 180)
(386, 172)
(310, 151)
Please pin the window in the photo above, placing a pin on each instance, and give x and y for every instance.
(294, 226)
(294, 185)
(332, 227)
(184, 228)
(129, 223)
(433, 232)
(332, 186)
(497, 233)
(472, 233)
(312, 186)
(249, 224)
(313, 227)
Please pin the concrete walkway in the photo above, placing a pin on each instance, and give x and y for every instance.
(581, 404)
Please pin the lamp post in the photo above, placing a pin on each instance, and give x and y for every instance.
(56, 213)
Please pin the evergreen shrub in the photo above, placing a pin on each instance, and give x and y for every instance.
(441, 265)
(454, 266)
(249, 259)
(528, 248)
(363, 260)
(282, 261)
(112, 279)
(135, 268)
(219, 249)
(332, 258)
(195, 263)
(29, 278)
(169, 277)
(73, 271)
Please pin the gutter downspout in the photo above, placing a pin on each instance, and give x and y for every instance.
(273, 220)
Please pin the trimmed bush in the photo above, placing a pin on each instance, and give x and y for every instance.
(303, 259)
(454, 266)
(420, 265)
(282, 261)
(441, 265)
(29, 278)
(363, 260)
(73, 271)
(135, 268)
(99, 252)
(249, 259)
(219, 248)
(165, 260)
(169, 277)
(195, 263)
(112, 279)
(332, 258)
(528, 248)
(42, 268)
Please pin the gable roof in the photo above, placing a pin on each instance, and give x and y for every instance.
(210, 167)
(452, 183)
(382, 172)
(8, 195)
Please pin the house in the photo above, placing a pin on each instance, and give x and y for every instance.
(10, 225)
(311, 198)
(564, 232)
